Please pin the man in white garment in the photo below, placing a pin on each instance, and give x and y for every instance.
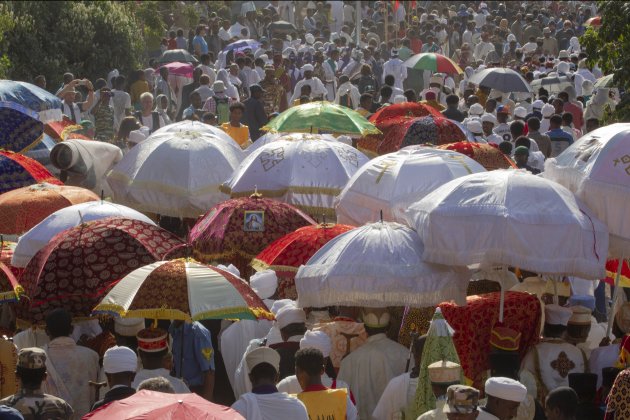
(369, 369)
(483, 48)
(551, 360)
(607, 355)
(401, 390)
(331, 69)
(442, 375)
(265, 402)
(504, 397)
(317, 87)
(396, 68)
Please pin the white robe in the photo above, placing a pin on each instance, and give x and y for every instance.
(603, 357)
(331, 80)
(369, 369)
(396, 397)
(317, 88)
(349, 89)
(437, 413)
(270, 407)
(396, 68)
(290, 384)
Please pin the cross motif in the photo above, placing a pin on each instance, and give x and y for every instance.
(386, 165)
(270, 159)
(563, 364)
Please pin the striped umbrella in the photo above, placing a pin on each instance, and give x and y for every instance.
(594, 21)
(433, 62)
(18, 171)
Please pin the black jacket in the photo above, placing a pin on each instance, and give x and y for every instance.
(115, 394)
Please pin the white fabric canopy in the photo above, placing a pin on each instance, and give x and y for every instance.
(307, 174)
(194, 126)
(510, 217)
(270, 137)
(393, 181)
(378, 265)
(597, 169)
(66, 218)
(175, 174)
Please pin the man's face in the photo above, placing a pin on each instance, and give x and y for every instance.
(69, 97)
(506, 410)
(236, 115)
(487, 127)
(268, 74)
(196, 101)
(553, 413)
(147, 103)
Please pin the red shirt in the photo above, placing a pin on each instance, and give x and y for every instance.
(416, 45)
(172, 44)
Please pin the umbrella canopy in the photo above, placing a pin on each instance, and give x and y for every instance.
(158, 405)
(304, 173)
(282, 26)
(175, 174)
(503, 79)
(271, 137)
(487, 155)
(510, 218)
(242, 45)
(605, 82)
(20, 171)
(287, 254)
(624, 276)
(180, 56)
(322, 116)
(179, 69)
(377, 265)
(20, 128)
(403, 109)
(431, 129)
(239, 229)
(594, 21)
(10, 289)
(41, 151)
(596, 168)
(47, 105)
(68, 217)
(183, 289)
(64, 129)
(78, 265)
(553, 84)
(391, 182)
(23, 208)
(194, 126)
(436, 63)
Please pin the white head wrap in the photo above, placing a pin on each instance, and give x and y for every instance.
(264, 283)
(230, 269)
(290, 315)
(120, 359)
(318, 340)
(506, 389)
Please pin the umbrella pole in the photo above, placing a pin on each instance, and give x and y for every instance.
(615, 295)
(555, 290)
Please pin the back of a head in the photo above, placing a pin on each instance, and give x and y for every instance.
(567, 118)
(533, 123)
(386, 92)
(452, 100)
(522, 141)
(390, 80)
(506, 148)
(59, 323)
(310, 360)
(563, 399)
(555, 120)
(517, 128)
(158, 384)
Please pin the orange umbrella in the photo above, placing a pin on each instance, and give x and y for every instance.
(594, 21)
(23, 208)
(487, 155)
(17, 170)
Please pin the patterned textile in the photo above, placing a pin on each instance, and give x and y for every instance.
(10, 290)
(8, 363)
(28, 95)
(487, 155)
(404, 109)
(104, 123)
(23, 208)
(79, 265)
(618, 402)
(285, 255)
(432, 130)
(222, 234)
(61, 130)
(18, 171)
(20, 128)
(345, 335)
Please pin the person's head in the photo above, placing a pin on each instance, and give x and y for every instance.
(592, 124)
(126, 329)
(452, 101)
(180, 32)
(200, 30)
(308, 71)
(556, 320)
(31, 367)
(366, 101)
(158, 384)
(256, 91)
(561, 404)
(443, 374)
(555, 121)
(522, 141)
(58, 323)
(209, 118)
(584, 385)
(204, 80)
(567, 119)
(40, 81)
(375, 320)
(105, 95)
(390, 80)
(472, 99)
(504, 364)
(505, 395)
(146, 102)
(67, 78)
(291, 321)
(491, 105)
(386, 93)
(119, 365)
(237, 109)
(521, 155)
(127, 125)
(558, 106)
(197, 72)
(488, 122)
(410, 95)
(517, 128)
(195, 100)
(461, 403)
(119, 82)
(305, 90)
(152, 347)
(533, 124)
(579, 324)
(263, 365)
(506, 148)
(503, 113)
(164, 73)
(309, 366)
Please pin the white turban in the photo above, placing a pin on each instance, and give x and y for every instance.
(307, 67)
(120, 359)
(128, 327)
(506, 389)
(317, 340)
(290, 315)
(230, 269)
(548, 110)
(264, 283)
(281, 303)
(563, 67)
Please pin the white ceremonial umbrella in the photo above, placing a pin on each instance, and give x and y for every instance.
(194, 126)
(175, 174)
(378, 265)
(66, 218)
(305, 173)
(270, 137)
(391, 182)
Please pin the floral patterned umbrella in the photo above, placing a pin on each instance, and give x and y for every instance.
(79, 265)
(287, 254)
(183, 289)
(421, 130)
(404, 109)
(487, 155)
(18, 171)
(23, 208)
(237, 230)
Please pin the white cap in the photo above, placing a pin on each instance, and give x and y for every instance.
(506, 389)
(520, 112)
(474, 126)
(563, 54)
(375, 318)
(437, 78)
(563, 67)
(318, 340)
(137, 136)
(262, 355)
(511, 37)
(230, 269)
(557, 315)
(128, 327)
(489, 118)
(537, 104)
(264, 283)
(307, 67)
(290, 315)
(309, 38)
(548, 110)
(281, 303)
(475, 109)
(399, 99)
(120, 359)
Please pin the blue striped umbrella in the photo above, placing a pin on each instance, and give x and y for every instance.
(28, 95)
(20, 127)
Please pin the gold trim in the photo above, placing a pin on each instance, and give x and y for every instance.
(166, 313)
(32, 145)
(260, 265)
(282, 191)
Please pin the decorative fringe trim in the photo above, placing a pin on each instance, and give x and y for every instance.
(239, 312)
(260, 265)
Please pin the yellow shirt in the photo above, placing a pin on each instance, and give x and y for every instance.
(326, 404)
(238, 134)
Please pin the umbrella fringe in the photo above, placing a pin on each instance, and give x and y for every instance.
(260, 265)
(239, 312)
(280, 192)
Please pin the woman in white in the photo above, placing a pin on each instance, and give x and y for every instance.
(230, 89)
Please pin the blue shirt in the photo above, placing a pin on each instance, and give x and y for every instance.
(198, 40)
(198, 352)
(560, 134)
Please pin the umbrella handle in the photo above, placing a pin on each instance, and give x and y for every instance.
(615, 295)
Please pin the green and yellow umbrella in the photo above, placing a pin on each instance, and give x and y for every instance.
(321, 117)
(436, 63)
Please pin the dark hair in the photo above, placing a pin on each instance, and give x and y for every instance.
(386, 91)
(565, 399)
(563, 95)
(452, 100)
(207, 116)
(180, 32)
(59, 323)
(533, 123)
(410, 94)
(127, 125)
(517, 128)
(551, 330)
(505, 147)
(522, 141)
(390, 80)
(263, 371)
(310, 360)
(567, 117)
(555, 119)
(31, 378)
(294, 329)
(364, 97)
(237, 105)
(204, 58)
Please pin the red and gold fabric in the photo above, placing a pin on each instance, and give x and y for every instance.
(10, 289)
(487, 155)
(430, 130)
(18, 171)
(611, 273)
(64, 129)
(404, 109)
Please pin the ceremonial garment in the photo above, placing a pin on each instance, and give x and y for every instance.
(397, 396)
(269, 404)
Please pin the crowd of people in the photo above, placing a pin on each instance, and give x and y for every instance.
(342, 362)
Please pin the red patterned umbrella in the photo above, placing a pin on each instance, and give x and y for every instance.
(285, 255)
(18, 171)
(404, 109)
(10, 289)
(487, 155)
(594, 21)
(23, 208)
(236, 230)
(62, 130)
(420, 130)
(611, 273)
(80, 264)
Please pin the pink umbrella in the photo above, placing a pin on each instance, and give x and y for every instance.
(180, 69)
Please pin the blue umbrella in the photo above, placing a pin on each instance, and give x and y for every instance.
(41, 151)
(28, 95)
(243, 44)
(20, 128)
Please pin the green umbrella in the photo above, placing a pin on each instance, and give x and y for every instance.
(433, 62)
(321, 117)
(604, 82)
